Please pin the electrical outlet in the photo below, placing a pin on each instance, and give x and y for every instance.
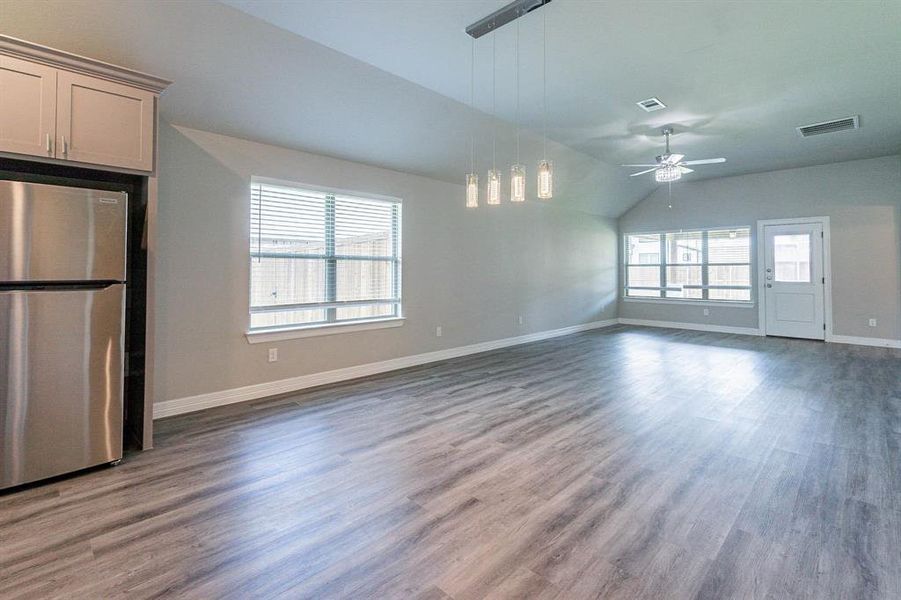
(520, 319)
(872, 322)
(706, 312)
(273, 354)
(438, 331)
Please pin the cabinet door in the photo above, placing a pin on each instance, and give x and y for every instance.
(104, 123)
(27, 107)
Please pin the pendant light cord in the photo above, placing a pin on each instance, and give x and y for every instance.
(494, 99)
(544, 84)
(472, 87)
(516, 119)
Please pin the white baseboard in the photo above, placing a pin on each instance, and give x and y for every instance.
(837, 339)
(694, 326)
(864, 341)
(177, 406)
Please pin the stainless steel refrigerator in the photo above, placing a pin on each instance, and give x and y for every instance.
(62, 311)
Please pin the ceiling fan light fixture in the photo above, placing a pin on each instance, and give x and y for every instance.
(667, 174)
(671, 167)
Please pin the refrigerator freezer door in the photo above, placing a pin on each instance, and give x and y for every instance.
(60, 381)
(56, 233)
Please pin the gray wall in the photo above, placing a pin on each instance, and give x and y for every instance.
(472, 272)
(861, 198)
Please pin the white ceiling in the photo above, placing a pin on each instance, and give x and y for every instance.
(738, 77)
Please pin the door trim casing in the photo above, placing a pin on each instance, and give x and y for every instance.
(827, 269)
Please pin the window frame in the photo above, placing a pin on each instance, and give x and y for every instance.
(705, 265)
(331, 258)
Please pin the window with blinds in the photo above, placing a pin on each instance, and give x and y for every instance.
(319, 258)
(712, 264)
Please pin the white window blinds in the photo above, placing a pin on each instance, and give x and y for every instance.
(712, 264)
(319, 258)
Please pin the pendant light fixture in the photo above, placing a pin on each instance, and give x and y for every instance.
(494, 186)
(493, 191)
(472, 178)
(518, 170)
(545, 167)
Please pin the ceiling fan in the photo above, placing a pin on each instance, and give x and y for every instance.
(671, 167)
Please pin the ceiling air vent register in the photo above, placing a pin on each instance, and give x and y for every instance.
(830, 126)
(651, 104)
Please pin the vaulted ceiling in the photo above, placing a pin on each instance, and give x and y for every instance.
(737, 77)
(387, 82)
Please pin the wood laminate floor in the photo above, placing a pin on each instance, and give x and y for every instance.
(619, 463)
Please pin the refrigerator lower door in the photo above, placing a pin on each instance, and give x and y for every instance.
(61, 368)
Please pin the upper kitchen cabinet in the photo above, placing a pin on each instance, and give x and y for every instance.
(27, 107)
(66, 108)
(104, 123)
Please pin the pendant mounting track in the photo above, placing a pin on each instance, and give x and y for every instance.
(502, 16)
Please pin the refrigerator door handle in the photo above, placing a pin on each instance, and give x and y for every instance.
(56, 286)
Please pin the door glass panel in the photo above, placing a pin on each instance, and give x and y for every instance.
(791, 257)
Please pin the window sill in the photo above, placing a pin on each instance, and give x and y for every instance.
(722, 303)
(292, 333)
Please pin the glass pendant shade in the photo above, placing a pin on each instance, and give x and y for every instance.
(472, 190)
(517, 183)
(494, 187)
(545, 179)
(667, 173)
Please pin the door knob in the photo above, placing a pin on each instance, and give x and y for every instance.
(769, 270)
(769, 285)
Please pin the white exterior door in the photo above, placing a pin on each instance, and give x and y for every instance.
(793, 280)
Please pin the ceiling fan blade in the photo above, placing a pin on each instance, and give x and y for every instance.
(647, 165)
(685, 170)
(704, 161)
(674, 158)
(643, 172)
